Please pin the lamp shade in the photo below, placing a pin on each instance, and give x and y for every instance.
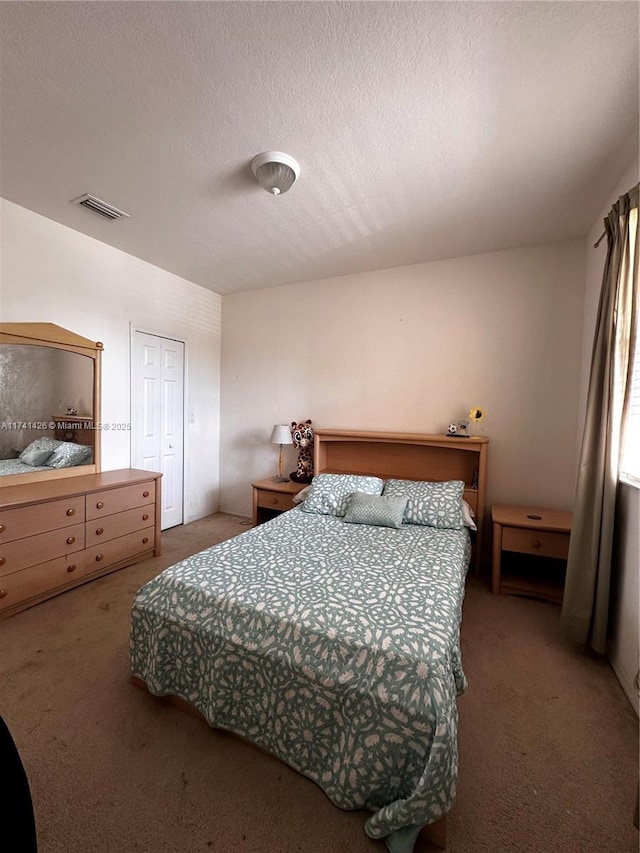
(281, 434)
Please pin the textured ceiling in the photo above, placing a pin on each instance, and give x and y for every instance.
(424, 130)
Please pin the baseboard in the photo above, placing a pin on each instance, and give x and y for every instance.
(628, 683)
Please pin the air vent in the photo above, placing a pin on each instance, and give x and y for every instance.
(100, 207)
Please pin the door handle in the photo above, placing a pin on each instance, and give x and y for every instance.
(171, 447)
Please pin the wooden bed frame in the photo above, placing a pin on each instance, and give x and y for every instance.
(399, 456)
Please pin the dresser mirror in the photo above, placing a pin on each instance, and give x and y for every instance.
(49, 403)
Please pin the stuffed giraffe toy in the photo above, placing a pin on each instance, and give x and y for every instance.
(302, 435)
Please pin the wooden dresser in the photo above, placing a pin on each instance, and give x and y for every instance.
(58, 534)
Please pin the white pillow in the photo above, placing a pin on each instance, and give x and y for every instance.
(302, 495)
(468, 515)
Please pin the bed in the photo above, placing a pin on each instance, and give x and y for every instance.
(17, 466)
(334, 645)
(47, 454)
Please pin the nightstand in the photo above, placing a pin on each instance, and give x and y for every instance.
(67, 427)
(540, 538)
(271, 498)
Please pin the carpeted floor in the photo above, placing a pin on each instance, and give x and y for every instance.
(548, 741)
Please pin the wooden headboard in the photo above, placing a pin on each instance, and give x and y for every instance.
(407, 456)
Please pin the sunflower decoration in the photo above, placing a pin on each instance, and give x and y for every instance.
(476, 414)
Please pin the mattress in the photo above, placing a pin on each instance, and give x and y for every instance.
(334, 646)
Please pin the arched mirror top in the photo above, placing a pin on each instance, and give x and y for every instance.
(49, 403)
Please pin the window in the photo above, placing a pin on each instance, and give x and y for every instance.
(630, 463)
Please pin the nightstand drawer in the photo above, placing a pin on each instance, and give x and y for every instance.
(275, 500)
(535, 542)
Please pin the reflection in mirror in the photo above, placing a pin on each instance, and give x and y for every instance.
(39, 384)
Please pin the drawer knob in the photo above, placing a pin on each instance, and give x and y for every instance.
(3, 593)
(1, 528)
(536, 543)
(2, 561)
(145, 540)
(99, 557)
(145, 517)
(71, 512)
(145, 494)
(71, 568)
(100, 504)
(99, 531)
(71, 540)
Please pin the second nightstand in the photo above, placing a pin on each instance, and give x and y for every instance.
(270, 498)
(535, 533)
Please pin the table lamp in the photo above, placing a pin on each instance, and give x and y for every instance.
(281, 435)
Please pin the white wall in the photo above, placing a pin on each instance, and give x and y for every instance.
(411, 349)
(625, 617)
(50, 273)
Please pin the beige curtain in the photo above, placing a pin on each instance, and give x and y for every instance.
(585, 608)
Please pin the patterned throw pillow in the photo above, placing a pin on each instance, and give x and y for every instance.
(44, 443)
(430, 504)
(379, 510)
(68, 455)
(35, 458)
(329, 492)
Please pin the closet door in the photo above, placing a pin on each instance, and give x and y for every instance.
(158, 417)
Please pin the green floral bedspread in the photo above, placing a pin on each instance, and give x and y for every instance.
(15, 466)
(334, 646)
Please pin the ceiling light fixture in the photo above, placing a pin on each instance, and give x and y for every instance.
(275, 171)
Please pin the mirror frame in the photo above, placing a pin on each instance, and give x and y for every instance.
(50, 335)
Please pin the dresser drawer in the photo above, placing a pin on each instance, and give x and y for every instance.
(30, 520)
(119, 549)
(21, 553)
(25, 584)
(535, 542)
(275, 500)
(111, 501)
(111, 526)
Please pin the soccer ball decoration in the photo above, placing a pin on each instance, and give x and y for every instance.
(459, 429)
(465, 428)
